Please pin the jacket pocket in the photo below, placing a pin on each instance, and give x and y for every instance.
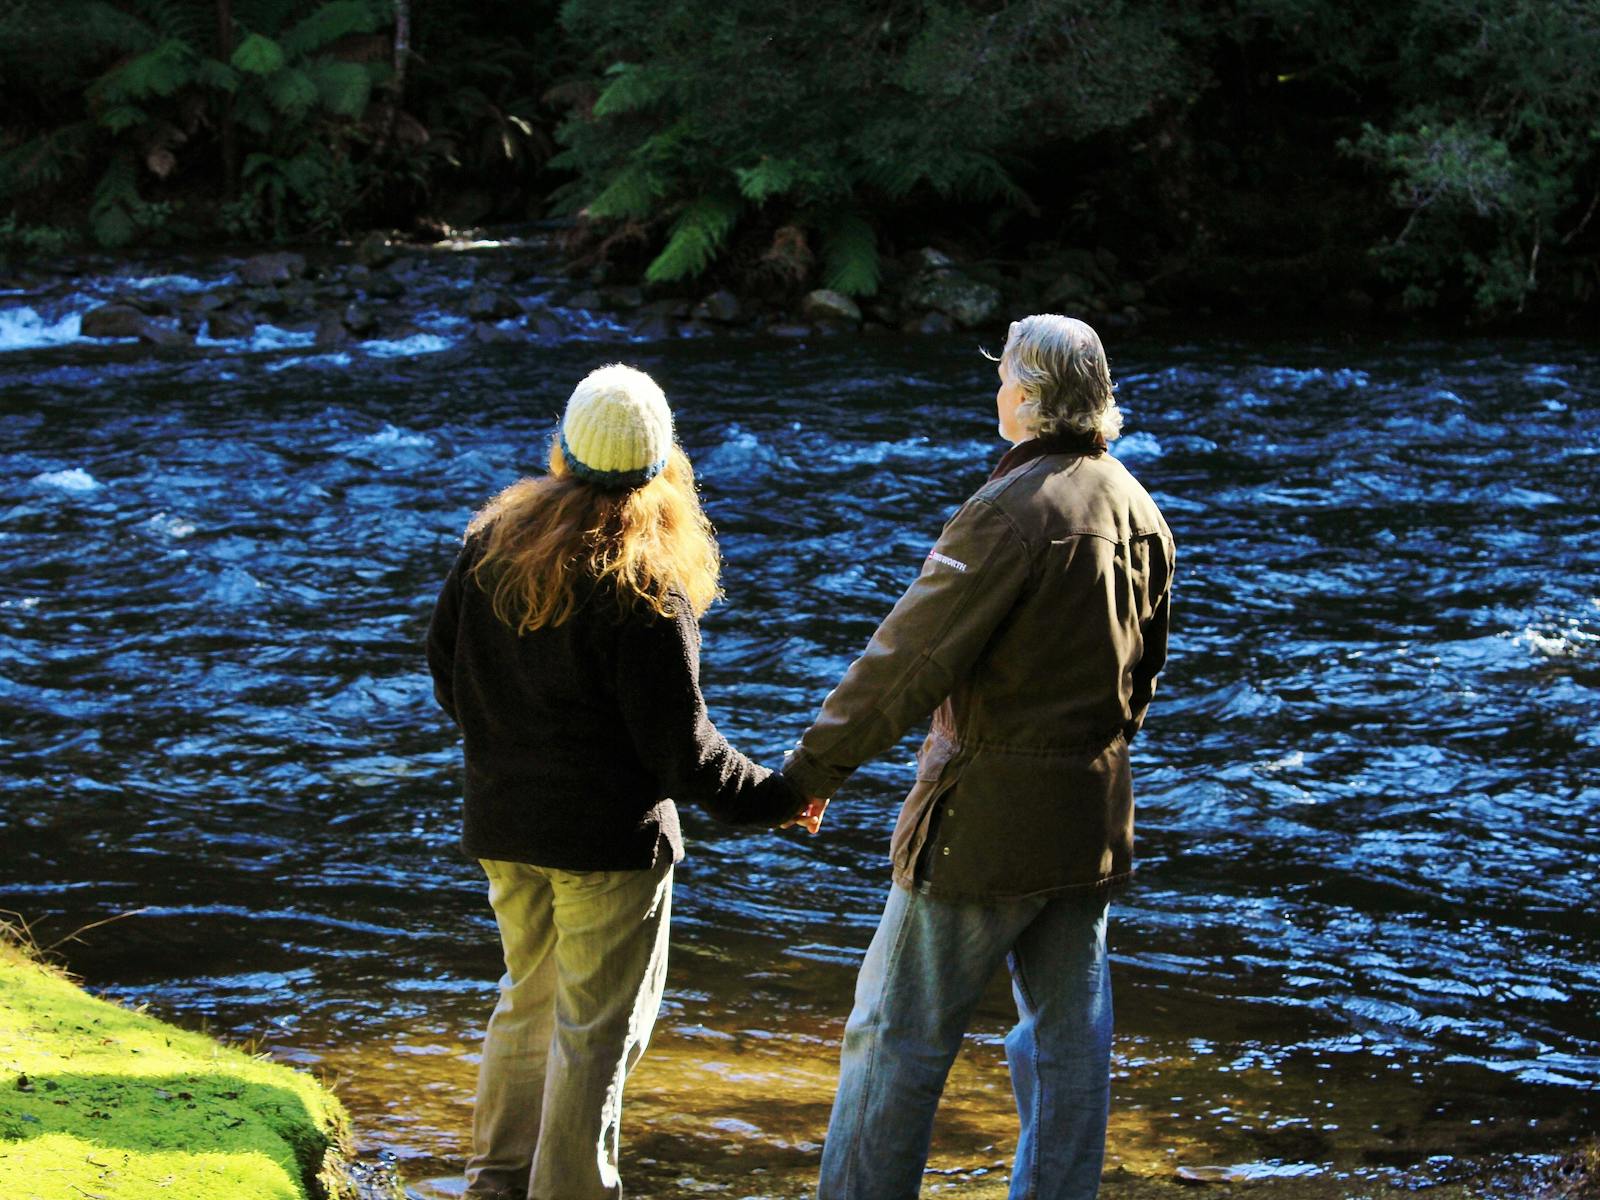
(938, 771)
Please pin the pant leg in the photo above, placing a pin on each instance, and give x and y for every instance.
(923, 974)
(1060, 1050)
(611, 968)
(505, 1118)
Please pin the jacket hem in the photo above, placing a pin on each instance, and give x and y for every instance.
(927, 887)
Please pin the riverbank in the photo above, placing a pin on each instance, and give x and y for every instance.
(101, 1100)
(513, 286)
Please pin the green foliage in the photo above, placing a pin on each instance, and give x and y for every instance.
(698, 233)
(804, 112)
(158, 94)
(30, 241)
(258, 55)
(1491, 146)
(850, 255)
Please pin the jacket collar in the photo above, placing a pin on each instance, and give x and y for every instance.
(1086, 444)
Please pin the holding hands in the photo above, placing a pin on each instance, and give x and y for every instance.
(810, 817)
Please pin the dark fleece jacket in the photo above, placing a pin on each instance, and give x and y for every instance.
(578, 737)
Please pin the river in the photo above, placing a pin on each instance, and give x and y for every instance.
(1360, 951)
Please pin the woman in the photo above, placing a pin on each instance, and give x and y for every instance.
(565, 645)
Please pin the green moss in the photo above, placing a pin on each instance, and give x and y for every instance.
(100, 1100)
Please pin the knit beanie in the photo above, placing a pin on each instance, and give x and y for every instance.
(617, 428)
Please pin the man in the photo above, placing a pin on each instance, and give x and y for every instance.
(1037, 627)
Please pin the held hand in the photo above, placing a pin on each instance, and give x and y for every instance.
(809, 817)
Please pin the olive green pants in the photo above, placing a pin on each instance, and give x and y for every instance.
(586, 961)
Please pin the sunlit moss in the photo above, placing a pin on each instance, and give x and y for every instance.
(96, 1099)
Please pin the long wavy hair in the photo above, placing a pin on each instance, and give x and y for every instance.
(548, 540)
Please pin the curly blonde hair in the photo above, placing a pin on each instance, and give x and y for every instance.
(546, 538)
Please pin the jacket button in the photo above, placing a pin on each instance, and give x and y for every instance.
(947, 849)
(949, 812)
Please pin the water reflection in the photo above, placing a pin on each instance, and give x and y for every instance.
(1360, 944)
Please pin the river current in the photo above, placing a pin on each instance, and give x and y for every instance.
(1361, 942)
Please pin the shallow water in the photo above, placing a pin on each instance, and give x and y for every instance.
(1360, 945)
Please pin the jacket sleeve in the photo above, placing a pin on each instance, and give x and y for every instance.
(924, 647)
(442, 638)
(1154, 656)
(658, 687)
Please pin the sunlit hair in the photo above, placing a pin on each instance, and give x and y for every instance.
(547, 540)
(1066, 383)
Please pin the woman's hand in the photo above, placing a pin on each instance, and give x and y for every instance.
(809, 817)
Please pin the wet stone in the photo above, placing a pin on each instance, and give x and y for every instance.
(360, 319)
(331, 332)
(589, 300)
(650, 327)
(230, 323)
(933, 322)
(721, 306)
(488, 304)
(790, 330)
(695, 329)
(266, 269)
(382, 285)
(375, 250)
(824, 304)
(113, 321)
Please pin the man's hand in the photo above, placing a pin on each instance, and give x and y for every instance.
(809, 817)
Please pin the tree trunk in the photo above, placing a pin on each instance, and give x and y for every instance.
(229, 135)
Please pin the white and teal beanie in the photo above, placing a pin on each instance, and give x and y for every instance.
(617, 429)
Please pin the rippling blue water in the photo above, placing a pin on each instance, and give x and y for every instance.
(1369, 788)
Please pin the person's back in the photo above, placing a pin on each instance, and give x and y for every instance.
(1034, 633)
(565, 646)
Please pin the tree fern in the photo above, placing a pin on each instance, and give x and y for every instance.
(769, 177)
(258, 55)
(631, 88)
(116, 201)
(697, 235)
(291, 92)
(633, 192)
(850, 255)
(342, 87)
(328, 24)
(159, 72)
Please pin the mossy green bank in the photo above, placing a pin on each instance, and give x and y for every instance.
(102, 1101)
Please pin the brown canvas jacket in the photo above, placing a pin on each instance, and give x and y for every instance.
(1034, 635)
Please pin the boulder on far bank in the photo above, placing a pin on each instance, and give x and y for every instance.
(721, 306)
(825, 304)
(964, 300)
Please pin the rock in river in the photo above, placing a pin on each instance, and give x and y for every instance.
(824, 304)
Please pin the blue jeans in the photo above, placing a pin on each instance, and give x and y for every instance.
(924, 973)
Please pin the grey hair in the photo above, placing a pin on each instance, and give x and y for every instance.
(1061, 368)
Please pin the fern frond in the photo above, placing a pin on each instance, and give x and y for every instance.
(328, 24)
(697, 235)
(632, 192)
(158, 72)
(342, 87)
(769, 177)
(291, 92)
(116, 198)
(631, 88)
(850, 256)
(258, 55)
